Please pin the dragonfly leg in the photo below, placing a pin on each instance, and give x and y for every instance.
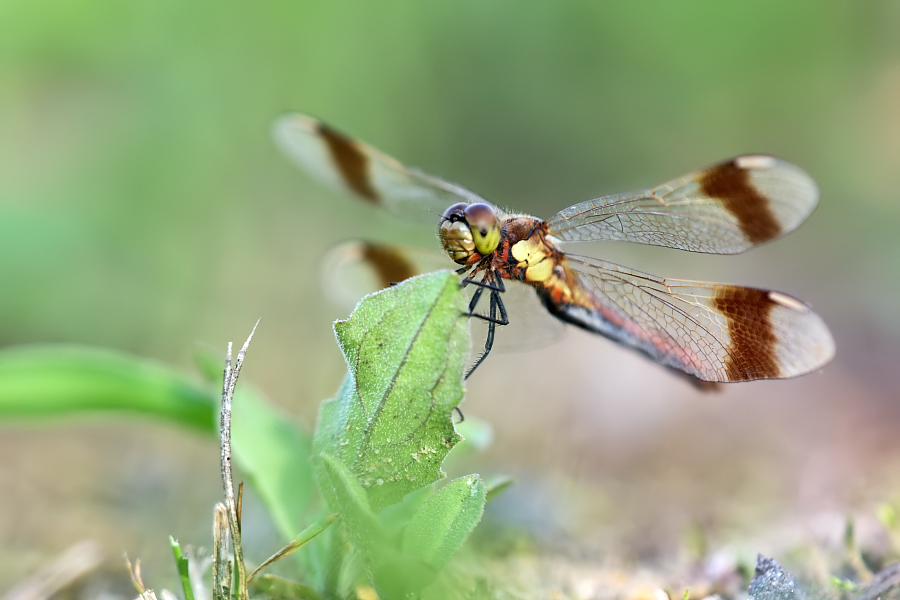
(495, 288)
(462, 417)
(472, 303)
(503, 320)
(493, 321)
(500, 286)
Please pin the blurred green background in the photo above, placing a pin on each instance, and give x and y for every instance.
(144, 207)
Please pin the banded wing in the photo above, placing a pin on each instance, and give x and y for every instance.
(350, 165)
(712, 331)
(725, 209)
(356, 268)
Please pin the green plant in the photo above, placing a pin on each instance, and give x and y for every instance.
(375, 457)
(389, 429)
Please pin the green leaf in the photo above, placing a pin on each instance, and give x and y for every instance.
(183, 571)
(273, 453)
(497, 485)
(390, 424)
(445, 520)
(395, 517)
(279, 588)
(350, 500)
(53, 381)
(396, 575)
(393, 573)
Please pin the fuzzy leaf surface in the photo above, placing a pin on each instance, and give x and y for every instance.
(393, 573)
(351, 503)
(391, 424)
(445, 520)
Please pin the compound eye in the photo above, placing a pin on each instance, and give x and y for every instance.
(485, 227)
(456, 212)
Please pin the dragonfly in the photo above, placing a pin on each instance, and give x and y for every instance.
(711, 332)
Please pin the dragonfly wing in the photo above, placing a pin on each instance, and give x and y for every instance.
(350, 165)
(712, 331)
(356, 268)
(725, 209)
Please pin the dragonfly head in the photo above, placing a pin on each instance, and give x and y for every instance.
(469, 231)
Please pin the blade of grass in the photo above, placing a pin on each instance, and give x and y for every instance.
(270, 450)
(303, 538)
(221, 566)
(182, 563)
(54, 381)
(229, 381)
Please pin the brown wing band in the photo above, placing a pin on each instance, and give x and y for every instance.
(352, 163)
(731, 184)
(389, 264)
(753, 342)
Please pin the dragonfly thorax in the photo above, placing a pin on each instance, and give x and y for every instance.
(469, 232)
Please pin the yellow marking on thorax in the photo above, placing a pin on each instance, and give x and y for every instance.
(535, 257)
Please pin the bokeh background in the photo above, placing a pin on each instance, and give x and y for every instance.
(144, 207)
